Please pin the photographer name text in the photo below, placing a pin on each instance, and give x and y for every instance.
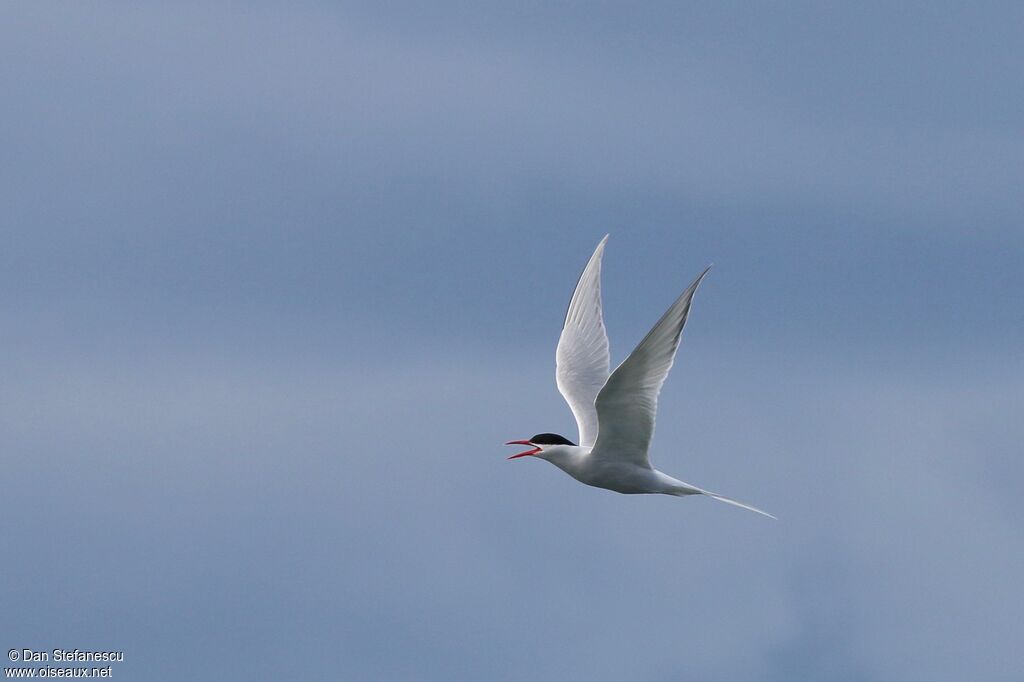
(61, 655)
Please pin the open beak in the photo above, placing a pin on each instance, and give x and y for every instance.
(534, 451)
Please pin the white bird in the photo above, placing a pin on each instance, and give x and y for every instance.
(614, 412)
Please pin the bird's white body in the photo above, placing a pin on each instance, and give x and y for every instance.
(622, 477)
(615, 411)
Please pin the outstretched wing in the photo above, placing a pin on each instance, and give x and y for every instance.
(581, 360)
(627, 404)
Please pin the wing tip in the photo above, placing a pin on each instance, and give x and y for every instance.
(593, 266)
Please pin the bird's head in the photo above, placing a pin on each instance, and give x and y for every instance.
(542, 445)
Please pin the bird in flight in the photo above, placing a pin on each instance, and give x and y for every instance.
(614, 411)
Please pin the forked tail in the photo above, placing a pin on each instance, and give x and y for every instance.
(687, 489)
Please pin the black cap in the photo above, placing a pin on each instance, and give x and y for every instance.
(550, 439)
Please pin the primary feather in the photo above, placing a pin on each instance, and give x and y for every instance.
(581, 360)
(628, 402)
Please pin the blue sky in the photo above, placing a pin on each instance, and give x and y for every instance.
(278, 280)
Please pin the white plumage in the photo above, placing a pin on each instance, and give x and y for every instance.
(615, 412)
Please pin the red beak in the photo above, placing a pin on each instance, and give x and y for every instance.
(523, 454)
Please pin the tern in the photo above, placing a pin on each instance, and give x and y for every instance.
(614, 411)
